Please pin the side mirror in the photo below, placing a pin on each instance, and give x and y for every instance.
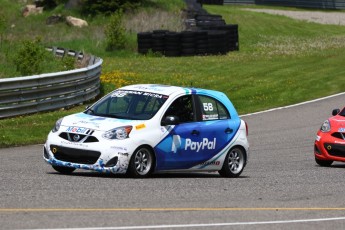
(170, 120)
(335, 112)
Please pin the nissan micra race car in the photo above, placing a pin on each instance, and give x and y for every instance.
(330, 140)
(146, 128)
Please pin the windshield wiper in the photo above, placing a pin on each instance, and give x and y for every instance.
(90, 111)
(115, 116)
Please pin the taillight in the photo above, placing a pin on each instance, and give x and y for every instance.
(246, 128)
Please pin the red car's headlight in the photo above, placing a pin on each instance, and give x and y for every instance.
(326, 126)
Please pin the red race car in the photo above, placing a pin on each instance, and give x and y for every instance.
(330, 140)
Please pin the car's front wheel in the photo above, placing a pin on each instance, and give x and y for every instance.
(323, 163)
(63, 170)
(142, 162)
(234, 163)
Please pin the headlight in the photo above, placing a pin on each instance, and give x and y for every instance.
(118, 133)
(325, 127)
(57, 125)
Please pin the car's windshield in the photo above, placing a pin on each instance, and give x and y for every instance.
(342, 113)
(128, 104)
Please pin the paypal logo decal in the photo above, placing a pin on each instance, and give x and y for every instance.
(196, 146)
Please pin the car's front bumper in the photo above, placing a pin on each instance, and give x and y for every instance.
(327, 147)
(100, 157)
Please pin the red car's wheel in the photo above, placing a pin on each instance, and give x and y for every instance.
(323, 163)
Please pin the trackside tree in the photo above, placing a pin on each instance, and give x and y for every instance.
(115, 32)
(29, 57)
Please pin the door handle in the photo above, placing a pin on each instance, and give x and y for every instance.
(195, 132)
(228, 130)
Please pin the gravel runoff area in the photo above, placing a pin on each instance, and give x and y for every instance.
(334, 18)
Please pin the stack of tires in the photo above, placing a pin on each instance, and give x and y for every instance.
(212, 2)
(201, 47)
(231, 38)
(172, 44)
(210, 36)
(144, 42)
(188, 44)
(208, 20)
(217, 42)
(158, 41)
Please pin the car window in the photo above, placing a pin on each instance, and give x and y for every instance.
(342, 113)
(212, 109)
(129, 104)
(183, 108)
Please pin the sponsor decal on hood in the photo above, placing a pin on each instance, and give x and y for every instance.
(82, 120)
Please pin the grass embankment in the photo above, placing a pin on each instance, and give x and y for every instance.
(281, 61)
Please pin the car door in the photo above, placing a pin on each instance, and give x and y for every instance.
(196, 140)
(170, 152)
(216, 130)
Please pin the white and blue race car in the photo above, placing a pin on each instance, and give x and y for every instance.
(146, 128)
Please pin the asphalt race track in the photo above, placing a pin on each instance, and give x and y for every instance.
(281, 187)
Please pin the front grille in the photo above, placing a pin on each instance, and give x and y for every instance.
(338, 135)
(73, 155)
(335, 149)
(73, 137)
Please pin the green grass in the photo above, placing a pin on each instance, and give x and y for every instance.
(281, 61)
(89, 39)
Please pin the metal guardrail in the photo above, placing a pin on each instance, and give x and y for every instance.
(316, 4)
(31, 94)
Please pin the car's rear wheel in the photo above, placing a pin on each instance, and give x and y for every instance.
(234, 163)
(142, 162)
(63, 170)
(323, 163)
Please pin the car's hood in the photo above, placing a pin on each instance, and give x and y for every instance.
(83, 120)
(337, 123)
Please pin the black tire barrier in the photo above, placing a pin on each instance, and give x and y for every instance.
(213, 41)
(211, 36)
(144, 42)
(208, 17)
(212, 2)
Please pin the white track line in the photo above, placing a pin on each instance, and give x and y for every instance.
(203, 225)
(294, 105)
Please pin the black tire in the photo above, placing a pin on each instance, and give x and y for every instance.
(144, 35)
(172, 37)
(323, 163)
(187, 45)
(201, 51)
(208, 17)
(160, 31)
(171, 46)
(144, 46)
(145, 41)
(142, 163)
(63, 170)
(172, 53)
(188, 52)
(234, 163)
